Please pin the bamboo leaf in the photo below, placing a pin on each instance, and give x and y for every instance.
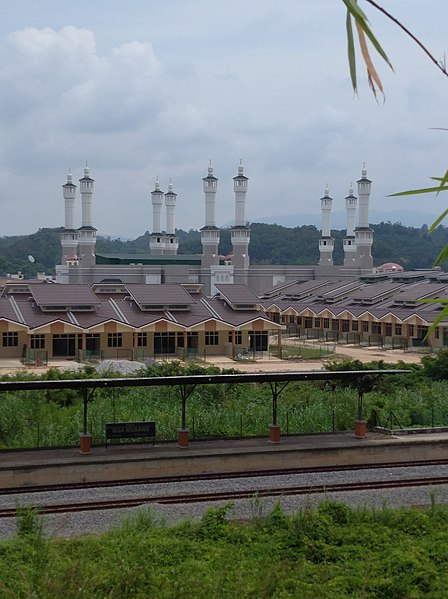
(443, 314)
(351, 51)
(437, 222)
(362, 21)
(443, 182)
(371, 72)
(443, 256)
(416, 191)
(432, 300)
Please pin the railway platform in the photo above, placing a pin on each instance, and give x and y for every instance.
(120, 462)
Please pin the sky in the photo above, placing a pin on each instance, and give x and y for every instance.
(145, 88)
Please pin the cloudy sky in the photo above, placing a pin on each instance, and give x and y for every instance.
(144, 88)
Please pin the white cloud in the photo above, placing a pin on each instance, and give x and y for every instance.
(159, 88)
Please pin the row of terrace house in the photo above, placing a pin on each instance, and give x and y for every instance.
(129, 321)
(394, 310)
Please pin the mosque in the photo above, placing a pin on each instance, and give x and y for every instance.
(80, 263)
(162, 303)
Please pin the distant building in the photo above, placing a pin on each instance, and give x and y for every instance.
(80, 263)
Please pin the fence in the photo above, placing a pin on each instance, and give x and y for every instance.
(53, 412)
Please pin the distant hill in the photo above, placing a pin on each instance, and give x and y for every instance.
(411, 247)
(408, 218)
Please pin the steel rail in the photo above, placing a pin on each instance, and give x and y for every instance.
(65, 508)
(26, 490)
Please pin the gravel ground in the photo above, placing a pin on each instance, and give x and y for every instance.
(67, 525)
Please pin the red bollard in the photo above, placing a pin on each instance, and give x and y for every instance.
(274, 433)
(360, 429)
(182, 437)
(85, 443)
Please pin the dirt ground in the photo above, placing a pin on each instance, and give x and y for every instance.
(365, 354)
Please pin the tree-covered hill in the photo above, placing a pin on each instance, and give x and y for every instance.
(270, 244)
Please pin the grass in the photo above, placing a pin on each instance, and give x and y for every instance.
(332, 552)
(291, 352)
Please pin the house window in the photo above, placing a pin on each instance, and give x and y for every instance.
(114, 340)
(317, 323)
(365, 326)
(355, 326)
(308, 322)
(292, 319)
(37, 342)
(398, 330)
(326, 323)
(388, 329)
(10, 339)
(211, 338)
(335, 325)
(299, 321)
(238, 337)
(376, 328)
(410, 330)
(142, 339)
(421, 331)
(345, 326)
(436, 333)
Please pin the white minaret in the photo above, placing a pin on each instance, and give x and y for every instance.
(69, 236)
(156, 240)
(326, 242)
(349, 239)
(210, 232)
(363, 233)
(240, 233)
(87, 232)
(171, 241)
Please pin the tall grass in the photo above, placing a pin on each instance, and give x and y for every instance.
(44, 419)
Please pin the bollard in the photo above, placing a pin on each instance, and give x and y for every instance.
(85, 443)
(360, 429)
(274, 433)
(182, 437)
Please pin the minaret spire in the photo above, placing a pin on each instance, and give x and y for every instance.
(210, 233)
(171, 241)
(240, 232)
(349, 240)
(69, 236)
(87, 232)
(156, 240)
(363, 232)
(326, 242)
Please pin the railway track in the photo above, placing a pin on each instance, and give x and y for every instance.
(215, 476)
(109, 504)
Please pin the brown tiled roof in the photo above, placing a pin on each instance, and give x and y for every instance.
(237, 294)
(160, 294)
(54, 294)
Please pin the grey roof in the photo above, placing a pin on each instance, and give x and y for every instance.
(160, 294)
(63, 295)
(237, 294)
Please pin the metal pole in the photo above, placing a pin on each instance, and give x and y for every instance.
(360, 399)
(85, 394)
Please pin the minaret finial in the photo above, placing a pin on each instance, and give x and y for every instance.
(350, 189)
(157, 183)
(170, 186)
(210, 169)
(364, 171)
(327, 191)
(240, 168)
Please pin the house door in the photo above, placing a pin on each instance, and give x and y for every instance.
(64, 345)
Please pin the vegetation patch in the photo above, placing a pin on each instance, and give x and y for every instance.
(333, 552)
